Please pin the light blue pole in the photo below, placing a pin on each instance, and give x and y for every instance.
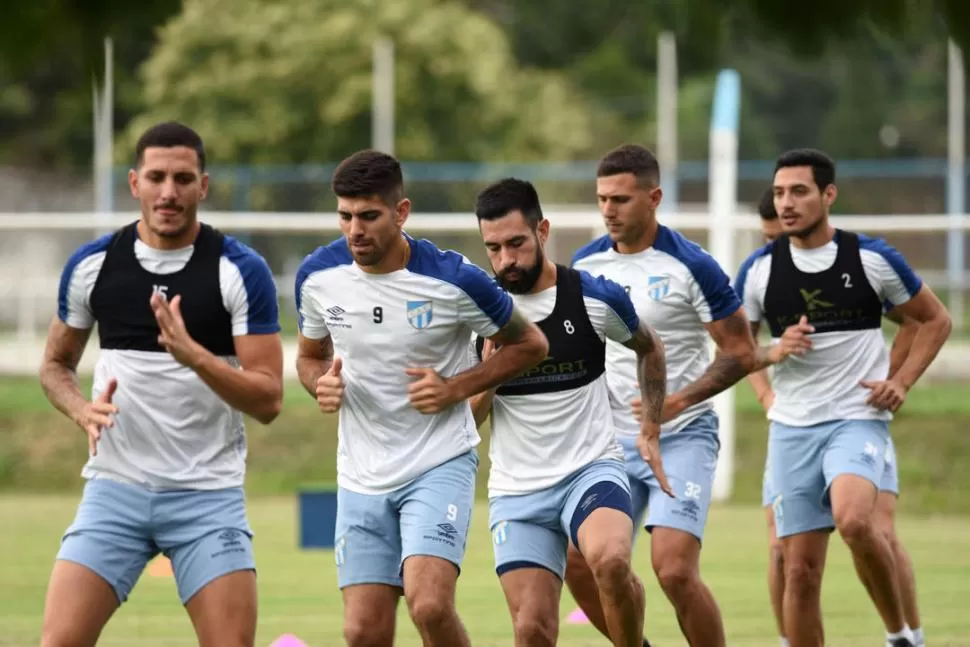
(956, 182)
(722, 205)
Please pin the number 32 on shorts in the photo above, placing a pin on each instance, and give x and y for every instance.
(692, 490)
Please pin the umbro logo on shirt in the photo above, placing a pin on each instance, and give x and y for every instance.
(335, 317)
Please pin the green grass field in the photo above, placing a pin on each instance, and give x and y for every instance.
(298, 588)
(41, 454)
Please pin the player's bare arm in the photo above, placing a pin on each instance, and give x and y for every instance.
(58, 369)
(481, 403)
(651, 372)
(652, 378)
(902, 340)
(58, 378)
(520, 345)
(736, 357)
(933, 328)
(256, 390)
(314, 357)
(319, 372)
(759, 378)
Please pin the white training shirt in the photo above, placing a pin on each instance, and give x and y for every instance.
(539, 439)
(171, 431)
(381, 324)
(823, 384)
(677, 288)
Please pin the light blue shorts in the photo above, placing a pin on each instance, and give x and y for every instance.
(803, 462)
(888, 483)
(766, 494)
(533, 530)
(120, 527)
(430, 516)
(890, 473)
(689, 459)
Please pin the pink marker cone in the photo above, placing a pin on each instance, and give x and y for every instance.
(288, 640)
(577, 617)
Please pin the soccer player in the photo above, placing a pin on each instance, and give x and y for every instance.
(831, 409)
(681, 291)
(188, 329)
(885, 510)
(557, 474)
(384, 327)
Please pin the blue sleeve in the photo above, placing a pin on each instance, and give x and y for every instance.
(302, 273)
(263, 310)
(601, 244)
(743, 271)
(485, 293)
(613, 295)
(910, 280)
(715, 286)
(84, 251)
(323, 258)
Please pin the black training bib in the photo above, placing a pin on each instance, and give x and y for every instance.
(121, 294)
(837, 299)
(577, 354)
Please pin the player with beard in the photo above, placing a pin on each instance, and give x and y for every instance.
(830, 415)
(384, 328)
(558, 476)
(189, 337)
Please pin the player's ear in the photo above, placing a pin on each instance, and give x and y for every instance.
(831, 193)
(133, 183)
(402, 211)
(542, 229)
(204, 186)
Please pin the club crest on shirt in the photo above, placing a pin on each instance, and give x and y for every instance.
(658, 287)
(419, 314)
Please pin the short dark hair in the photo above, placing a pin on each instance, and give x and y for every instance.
(170, 134)
(631, 158)
(766, 206)
(823, 167)
(367, 173)
(507, 195)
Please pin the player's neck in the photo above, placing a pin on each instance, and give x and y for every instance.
(822, 236)
(547, 278)
(645, 241)
(153, 240)
(397, 258)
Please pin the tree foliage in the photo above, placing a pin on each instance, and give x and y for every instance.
(291, 81)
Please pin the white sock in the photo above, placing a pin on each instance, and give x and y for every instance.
(918, 637)
(905, 632)
(784, 642)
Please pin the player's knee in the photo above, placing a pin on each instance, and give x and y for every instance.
(535, 628)
(776, 555)
(803, 576)
(610, 566)
(675, 576)
(885, 527)
(428, 611)
(856, 528)
(368, 632)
